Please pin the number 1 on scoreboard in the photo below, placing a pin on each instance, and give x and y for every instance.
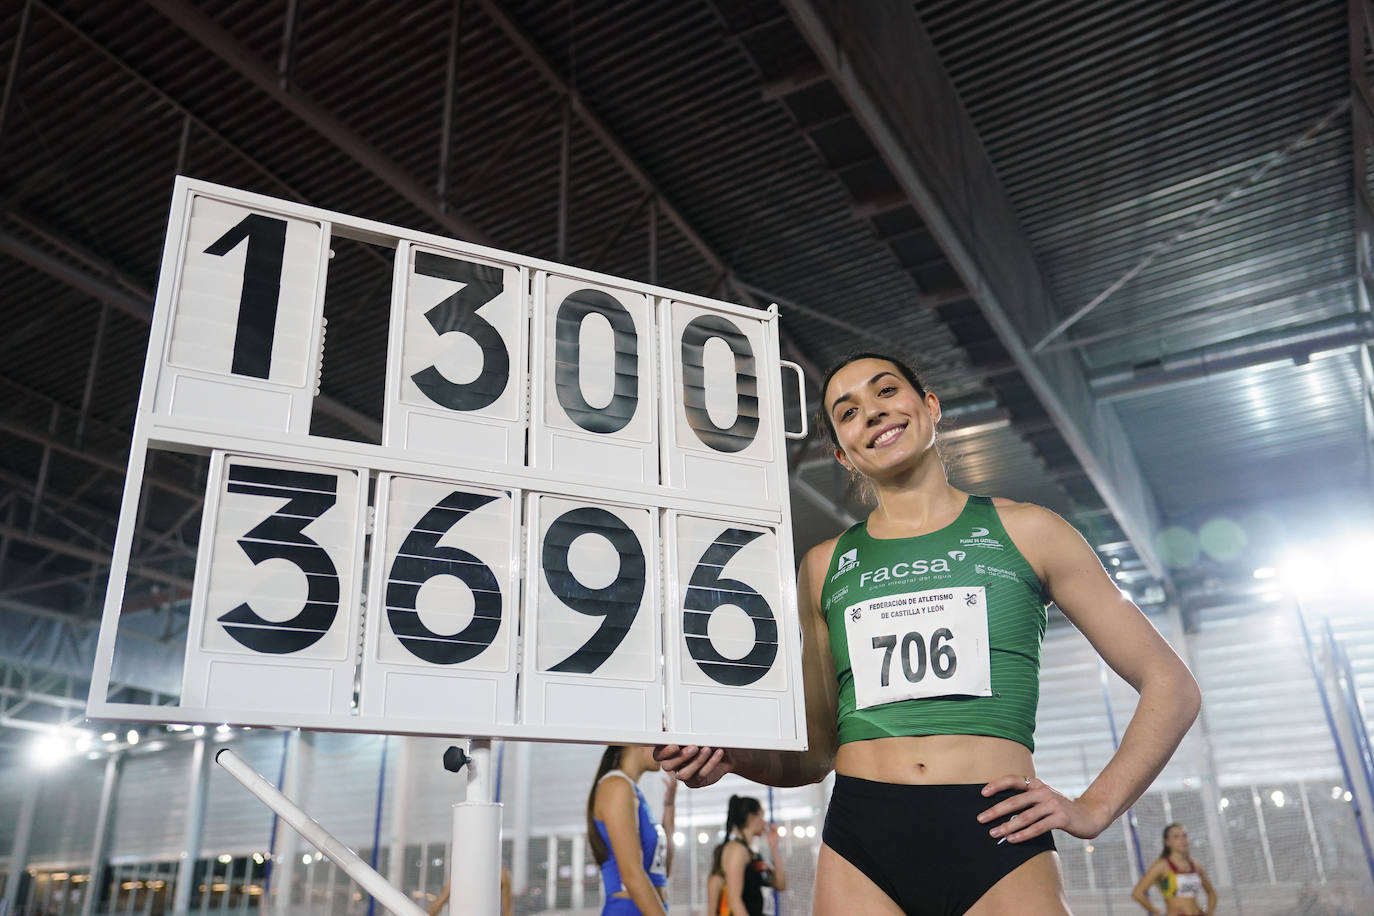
(246, 307)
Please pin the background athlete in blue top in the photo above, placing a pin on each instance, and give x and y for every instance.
(633, 851)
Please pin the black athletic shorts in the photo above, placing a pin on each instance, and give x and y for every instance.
(923, 845)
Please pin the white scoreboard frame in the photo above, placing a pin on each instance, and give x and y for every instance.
(650, 497)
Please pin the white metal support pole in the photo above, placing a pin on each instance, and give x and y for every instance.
(19, 849)
(368, 879)
(475, 872)
(551, 871)
(520, 842)
(101, 839)
(286, 852)
(579, 845)
(195, 827)
(1200, 739)
(400, 812)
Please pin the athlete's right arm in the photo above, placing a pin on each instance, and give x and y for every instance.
(1138, 893)
(702, 766)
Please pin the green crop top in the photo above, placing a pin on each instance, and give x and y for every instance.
(915, 608)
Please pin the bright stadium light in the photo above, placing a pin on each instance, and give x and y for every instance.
(49, 750)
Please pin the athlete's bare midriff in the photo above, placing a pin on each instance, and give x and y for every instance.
(1183, 906)
(933, 759)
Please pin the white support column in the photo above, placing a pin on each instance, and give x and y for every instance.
(1199, 739)
(400, 813)
(195, 827)
(551, 873)
(101, 840)
(520, 807)
(579, 848)
(287, 852)
(19, 849)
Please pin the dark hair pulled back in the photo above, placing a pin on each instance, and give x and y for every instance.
(738, 811)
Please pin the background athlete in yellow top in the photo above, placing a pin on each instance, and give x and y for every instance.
(1178, 877)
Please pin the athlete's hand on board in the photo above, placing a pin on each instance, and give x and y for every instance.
(696, 766)
(1038, 809)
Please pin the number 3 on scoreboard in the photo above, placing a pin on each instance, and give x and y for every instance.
(274, 616)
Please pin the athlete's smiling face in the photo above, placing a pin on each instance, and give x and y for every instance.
(880, 419)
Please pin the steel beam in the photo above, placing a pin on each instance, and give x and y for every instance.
(885, 66)
(1295, 343)
(90, 556)
(248, 65)
(141, 308)
(598, 128)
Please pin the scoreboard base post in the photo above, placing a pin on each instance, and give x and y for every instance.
(475, 869)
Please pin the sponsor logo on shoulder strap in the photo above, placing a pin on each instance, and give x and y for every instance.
(848, 560)
(980, 537)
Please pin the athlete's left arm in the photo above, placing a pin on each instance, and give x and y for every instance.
(1169, 696)
(1207, 886)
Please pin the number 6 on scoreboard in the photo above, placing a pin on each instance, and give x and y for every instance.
(727, 629)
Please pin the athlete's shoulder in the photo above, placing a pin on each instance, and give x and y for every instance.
(820, 554)
(1028, 518)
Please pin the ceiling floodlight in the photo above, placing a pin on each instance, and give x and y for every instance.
(1266, 572)
(197, 730)
(1278, 798)
(49, 750)
(222, 729)
(83, 742)
(679, 838)
(132, 737)
(109, 736)
(702, 838)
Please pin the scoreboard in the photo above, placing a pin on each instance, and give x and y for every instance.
(575, 525)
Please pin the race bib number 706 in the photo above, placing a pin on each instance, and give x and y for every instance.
(916, 645)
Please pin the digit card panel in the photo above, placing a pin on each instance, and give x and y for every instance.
(444, 604)
(594, 412)
(456, 376)
(274, 614)
(573, 523)
(719, 436)
(247, 297)
(591, 618)
(729, 633)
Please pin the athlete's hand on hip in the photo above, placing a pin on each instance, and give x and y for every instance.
(696, 766)
(1038, 809)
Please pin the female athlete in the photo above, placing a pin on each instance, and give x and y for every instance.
(921, 630)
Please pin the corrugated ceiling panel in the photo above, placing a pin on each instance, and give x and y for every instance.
(1241, 434)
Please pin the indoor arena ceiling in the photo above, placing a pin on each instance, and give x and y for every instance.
(1119, 239)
